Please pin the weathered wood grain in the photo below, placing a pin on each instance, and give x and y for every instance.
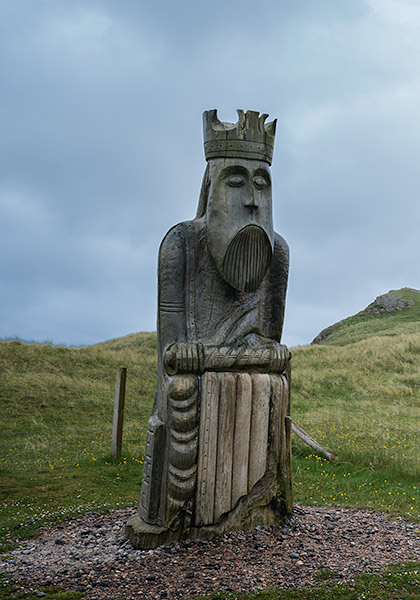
(207, 451)
(227, 403)
(259, 428)
(241, 436)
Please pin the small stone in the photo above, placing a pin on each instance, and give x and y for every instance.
(294, 555)
(60, 542)
(86, 532)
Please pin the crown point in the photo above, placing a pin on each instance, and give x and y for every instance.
(215, 121)
(271, 127)
(240, 125)
(261, 122)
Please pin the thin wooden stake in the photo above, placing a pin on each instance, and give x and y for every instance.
(117, 427)
(305, 437)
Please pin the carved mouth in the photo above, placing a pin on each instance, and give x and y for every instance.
(247, 259)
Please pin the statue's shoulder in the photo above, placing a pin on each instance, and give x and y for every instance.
(181, 234)
(174, 240)
(281, 247)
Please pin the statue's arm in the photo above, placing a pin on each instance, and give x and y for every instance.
(171, 288)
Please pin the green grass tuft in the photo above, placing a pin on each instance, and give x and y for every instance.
(12, 591)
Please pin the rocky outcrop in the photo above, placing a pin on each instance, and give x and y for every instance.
(390, 302)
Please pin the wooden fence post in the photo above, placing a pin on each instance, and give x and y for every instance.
(117, 427)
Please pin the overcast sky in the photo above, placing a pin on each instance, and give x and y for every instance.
(101, 150)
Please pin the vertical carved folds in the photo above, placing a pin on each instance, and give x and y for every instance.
(234, 432)
(247, 259)
(183, 443)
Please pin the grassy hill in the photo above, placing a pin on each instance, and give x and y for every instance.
(393, 313)
(355, 392)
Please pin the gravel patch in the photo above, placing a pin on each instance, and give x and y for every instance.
(91, 554)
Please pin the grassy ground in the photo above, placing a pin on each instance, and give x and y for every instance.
(361, 399)
(56, 422)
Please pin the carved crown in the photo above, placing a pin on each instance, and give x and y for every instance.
(248, 138)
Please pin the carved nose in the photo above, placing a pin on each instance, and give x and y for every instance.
(252, 201)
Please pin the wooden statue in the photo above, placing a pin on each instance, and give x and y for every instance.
(218, 445)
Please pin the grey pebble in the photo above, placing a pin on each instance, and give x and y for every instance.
(60, 542)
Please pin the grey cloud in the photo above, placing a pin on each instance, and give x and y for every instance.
(101, 150)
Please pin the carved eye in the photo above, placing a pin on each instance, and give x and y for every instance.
(236, 180)
(260, 182)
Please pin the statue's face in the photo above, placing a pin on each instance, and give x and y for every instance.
(239, 220)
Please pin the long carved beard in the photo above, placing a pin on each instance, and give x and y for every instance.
(247, 259)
